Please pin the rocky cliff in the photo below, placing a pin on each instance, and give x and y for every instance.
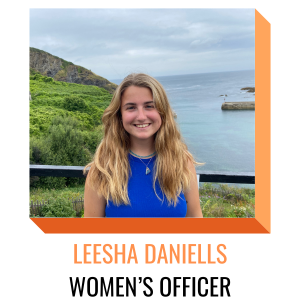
(62, 70)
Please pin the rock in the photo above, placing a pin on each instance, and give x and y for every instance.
(249, 89)
(249, 105)
(45, 63)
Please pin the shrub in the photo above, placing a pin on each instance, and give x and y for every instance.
(35, 151)
(58, 208)
(33, 72)
(92, 139)
(50, 182)
(64, 145)
(74, 103)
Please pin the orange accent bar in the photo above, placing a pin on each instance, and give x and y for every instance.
(149, 225)
(262, 121)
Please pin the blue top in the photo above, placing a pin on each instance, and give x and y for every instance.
(143, 201)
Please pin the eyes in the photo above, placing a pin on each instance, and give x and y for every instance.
(133, 107)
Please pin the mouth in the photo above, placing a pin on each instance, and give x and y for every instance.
(142, 125)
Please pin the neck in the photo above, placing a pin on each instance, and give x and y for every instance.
(142, 148)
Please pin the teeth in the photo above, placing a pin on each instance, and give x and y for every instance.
(142, 126)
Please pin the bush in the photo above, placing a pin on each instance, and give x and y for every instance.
(74, 103)
(48, 79)
(93, 138)
(35, 151)
(50, 182)
(59, 208)
(66, 144)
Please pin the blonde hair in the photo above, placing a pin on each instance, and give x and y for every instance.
(110, 170)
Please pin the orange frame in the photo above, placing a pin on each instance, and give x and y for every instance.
(262, 221)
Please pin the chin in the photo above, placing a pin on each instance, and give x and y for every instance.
(143, 136)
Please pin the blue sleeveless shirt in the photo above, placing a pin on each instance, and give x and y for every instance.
(143, 201)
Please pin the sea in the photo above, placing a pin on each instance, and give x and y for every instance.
(222, 139)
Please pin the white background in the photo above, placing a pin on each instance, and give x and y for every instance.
(260, 266)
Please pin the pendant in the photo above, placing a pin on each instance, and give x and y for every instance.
(147, 171)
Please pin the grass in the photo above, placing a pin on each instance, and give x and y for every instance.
(227, 201)
(42, 194)
(222, 201)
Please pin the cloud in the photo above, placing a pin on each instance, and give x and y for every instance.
(111, 41)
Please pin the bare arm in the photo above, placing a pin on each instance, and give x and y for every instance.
(192, 196)
(94, 205)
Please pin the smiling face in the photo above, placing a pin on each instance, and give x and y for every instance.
(139, 115)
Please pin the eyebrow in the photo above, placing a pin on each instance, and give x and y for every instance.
(131, 103)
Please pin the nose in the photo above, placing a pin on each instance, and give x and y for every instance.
(141, 114)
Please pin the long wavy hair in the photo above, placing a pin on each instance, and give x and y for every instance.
(110, 170)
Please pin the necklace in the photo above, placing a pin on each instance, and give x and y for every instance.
(138, 156)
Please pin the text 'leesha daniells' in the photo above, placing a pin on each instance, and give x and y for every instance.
(166, 254)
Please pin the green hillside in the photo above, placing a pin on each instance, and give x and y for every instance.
(65, 123)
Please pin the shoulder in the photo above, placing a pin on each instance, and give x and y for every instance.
(94, 204)
(191, 166)
(192, 194)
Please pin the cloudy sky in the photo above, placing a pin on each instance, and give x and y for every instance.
(160, 42)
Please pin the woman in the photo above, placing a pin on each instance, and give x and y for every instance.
(142, 168)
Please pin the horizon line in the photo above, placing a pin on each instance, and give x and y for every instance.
(190, 73)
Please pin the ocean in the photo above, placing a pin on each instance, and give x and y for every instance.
(223, 140)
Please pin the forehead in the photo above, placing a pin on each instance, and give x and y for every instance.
(136, 94)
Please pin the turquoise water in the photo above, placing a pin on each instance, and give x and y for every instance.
(224, 140)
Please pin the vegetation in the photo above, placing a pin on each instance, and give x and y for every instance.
(33, 72)
(227, 201)
(65, 125)
(220, 202)
(43, 194)
(59, 209)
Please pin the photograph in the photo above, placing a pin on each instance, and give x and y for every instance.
(142, 113)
